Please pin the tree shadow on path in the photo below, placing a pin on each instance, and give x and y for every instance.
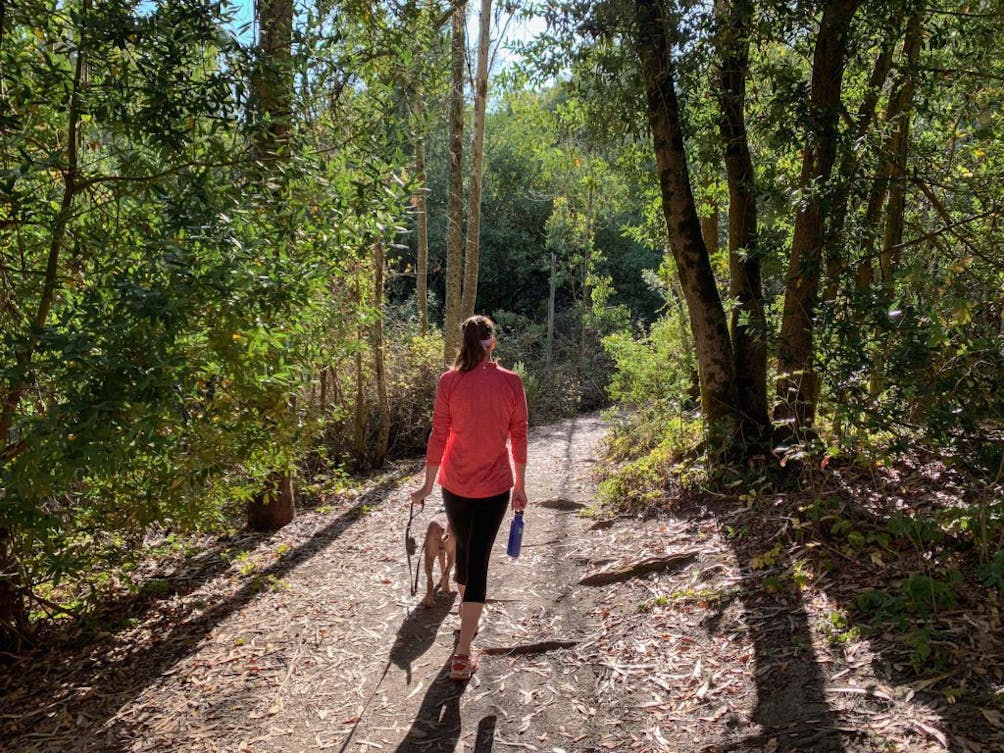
(773, 540)
(791, 687)
(90, 687)
(791, 704)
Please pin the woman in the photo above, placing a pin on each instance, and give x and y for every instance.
(479, 406)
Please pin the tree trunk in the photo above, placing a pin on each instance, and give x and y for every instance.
(899, 146)
(835, 258)
(12, 609)
(709, 222)
(272, 80)
(274, 506)
(472, 253)
(797, 383)
(422, 210)
(272, 84)
(587, 260)
(749, 337)
(551, 289)
(707, 316)
(455, 203)
(709, 230)
(359, 414)
(379, 372)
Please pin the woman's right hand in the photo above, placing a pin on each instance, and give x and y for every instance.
(418, 496)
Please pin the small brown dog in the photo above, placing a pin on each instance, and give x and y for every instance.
(439, 542)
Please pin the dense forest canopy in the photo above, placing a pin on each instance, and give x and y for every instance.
(227, 259)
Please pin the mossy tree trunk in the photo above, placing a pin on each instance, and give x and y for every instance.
(455, 200)
(715, 364)
(749, 327)
(797, 387)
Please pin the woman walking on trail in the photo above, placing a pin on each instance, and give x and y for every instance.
(479, 406)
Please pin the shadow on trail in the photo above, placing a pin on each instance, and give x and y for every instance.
(842, 531)
(791, 687)
(437, 725)
(85, 691)
(418, 632)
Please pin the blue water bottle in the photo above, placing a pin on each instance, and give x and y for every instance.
(515, 535)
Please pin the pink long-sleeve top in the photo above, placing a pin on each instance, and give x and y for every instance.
(476, 412)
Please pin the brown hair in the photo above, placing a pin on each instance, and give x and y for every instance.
(474, 329)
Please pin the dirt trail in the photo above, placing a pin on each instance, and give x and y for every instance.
(299, 640)
(309, 640)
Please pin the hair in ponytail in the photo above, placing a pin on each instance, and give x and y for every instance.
(472, 352)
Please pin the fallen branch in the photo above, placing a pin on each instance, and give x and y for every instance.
(540, 647)
(642, 567)
(565, 505)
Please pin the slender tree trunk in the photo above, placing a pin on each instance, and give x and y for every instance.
(379, 371)
(455, 203)
(880, 190)
(797, 382)
(899, 146)
(835, 258)
(748, 339)
(709, 222)
(551, 289)
(422, 210)
(704, 306)
(272, 81)
(587, 260)
(472, 253)
(359, 413)
(709, 229)
(272, 84)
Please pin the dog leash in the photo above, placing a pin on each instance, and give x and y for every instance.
(411, 546)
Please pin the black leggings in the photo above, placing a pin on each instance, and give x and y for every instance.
(475, 523)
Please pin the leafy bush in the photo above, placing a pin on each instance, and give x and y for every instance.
(655, 370)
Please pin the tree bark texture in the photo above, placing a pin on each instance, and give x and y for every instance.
(274, 506)
(709, 229)
(472, 253)
(749, 338)
(704, 306)
(455, 201)
(273, 83)
(797, 386)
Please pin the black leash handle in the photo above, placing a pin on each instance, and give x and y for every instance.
(410, 546)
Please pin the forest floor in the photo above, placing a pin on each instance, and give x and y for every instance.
(739, 640)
